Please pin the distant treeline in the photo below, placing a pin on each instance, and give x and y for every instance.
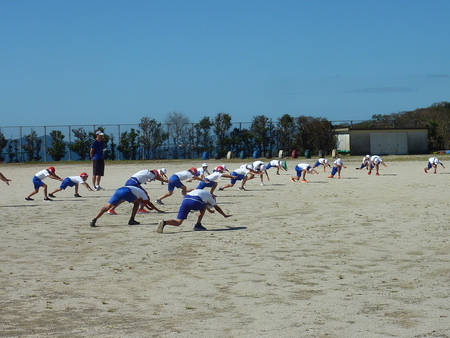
(177, 137)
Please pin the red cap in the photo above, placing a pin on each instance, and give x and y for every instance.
(220, 168)
(51, 169)
(193, 170)
(84, 175)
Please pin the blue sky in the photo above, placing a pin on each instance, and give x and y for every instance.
(103, 62)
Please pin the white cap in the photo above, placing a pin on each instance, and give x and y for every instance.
(164, 170)
(224, 166)
(367, 156)
(204, 165)
(99, 133)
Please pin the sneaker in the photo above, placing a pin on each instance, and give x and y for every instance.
(96, 188)
(92, 224)
(143, 211)
(47, 199)
(278, 173)
(112, 212)
(133, 222)
(426, 171)
(304, 181)
(377, 174)
(369, 173)
(51, 195)
(330, 176)
(199, 227)
(242, 188)
(159, 202)
(161, 225)
(76, 195)
(220, 188)
(292, 179)
(29, 199)
(262, 183)
(100, 188)
(339, 176)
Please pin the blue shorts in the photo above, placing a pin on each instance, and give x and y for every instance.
(203, 185)
(317, 164)
(334, 170)
(122, 194)
(174, 182)
(238, 178)
(430, 165)
(37, 182)
(190, 203)
(67, 182)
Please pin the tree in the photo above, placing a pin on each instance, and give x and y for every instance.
(82, 144)
(58, 148)
(178, 126)
(13, 149)
(153, 136)
(32, 146)
(203, 137)
(3, 143)
(222, 124)
(112, 149)
(261, 130)
(241, 140)
(284, 133)
(128, 144)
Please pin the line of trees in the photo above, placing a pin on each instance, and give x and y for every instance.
(177, 137)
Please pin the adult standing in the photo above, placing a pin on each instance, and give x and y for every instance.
(98, 160)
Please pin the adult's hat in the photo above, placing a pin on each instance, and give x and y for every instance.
(99, 133)
(51, 169)
(84, 175)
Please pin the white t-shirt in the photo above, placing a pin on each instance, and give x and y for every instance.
(214, 176)
(184, 175)
(434, 160)
(242, 170)
(275, 163)
(339, 162)
(205, 196)
(42, 174)
(258, 166)
(76, 179)
(144, 175)
(376, 159)
(139, 193)
(304, 166)
(323, 161)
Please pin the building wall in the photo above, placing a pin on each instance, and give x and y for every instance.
(382, 142)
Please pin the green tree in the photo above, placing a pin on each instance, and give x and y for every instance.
(153, 136)
(13, 149)
(284, 133)
(261, 130)
(128, 144)
(32, 146)
(58, 148)
(82, 144)
(3, 143)
(222, 124)
(203, 136)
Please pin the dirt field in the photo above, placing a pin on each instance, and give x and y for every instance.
(360, 256)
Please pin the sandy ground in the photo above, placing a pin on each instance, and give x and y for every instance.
(361, 256)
